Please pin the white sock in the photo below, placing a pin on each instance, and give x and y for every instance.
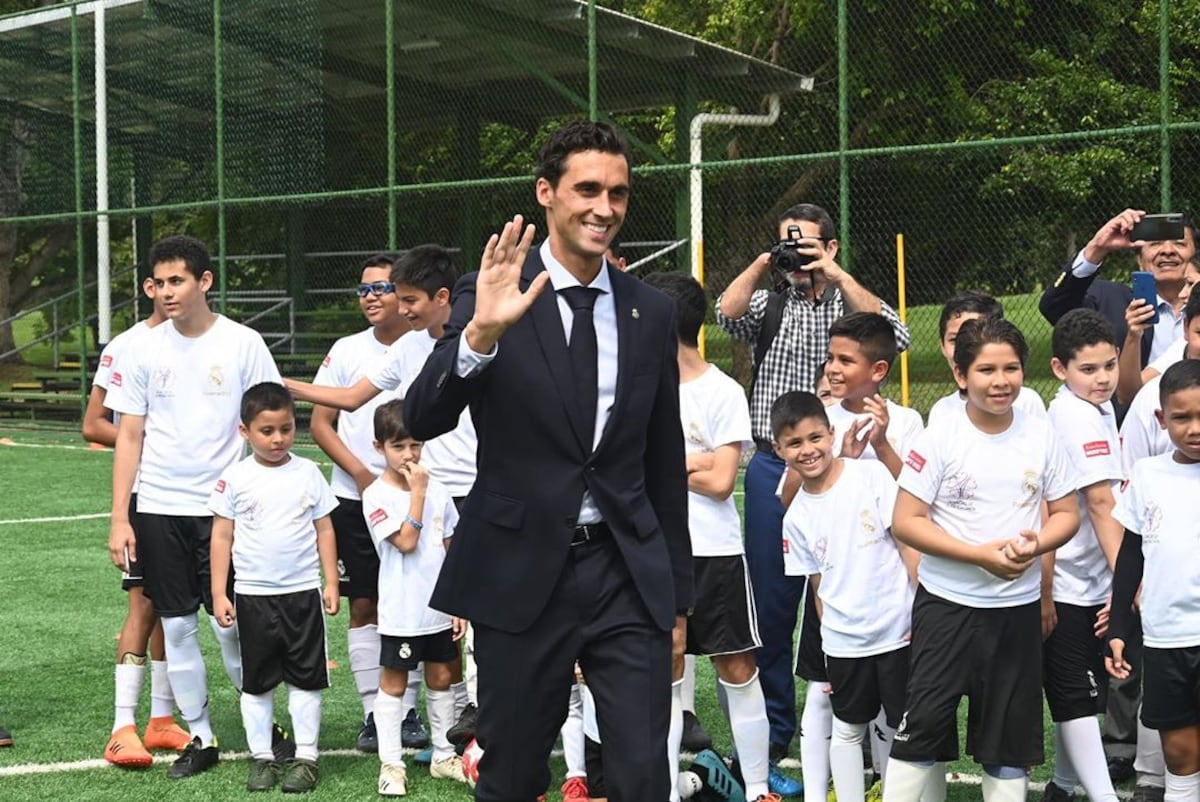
(162, 701)
(185, 669)
(304, 707)
(675, 738)
(439, 706)
(846, 760)
(258, 717)
(1064, 772)
(935, 783)
(469, 668)
(389, 715)
(127, 689)
(461, 698)
(591, 727)
(572, 735)
(1182, 788)
(906, 781)
(816, 724)
(1008, 790)
(689, 683)
(363, 643)
(751, 732)
(415, 679)
(231, 651)
(1148, 762)
(1079, 740)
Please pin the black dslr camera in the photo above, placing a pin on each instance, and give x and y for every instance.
(785, 258)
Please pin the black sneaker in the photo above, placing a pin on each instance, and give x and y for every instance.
(282, 745)
(1120, 769)
(6, 738)
(194, 760)
(368, 737)
(263, 776)
(412, 731)
(300, 776)
(695, 738)
(464, 729)
(1147, 793)
(1053, 793)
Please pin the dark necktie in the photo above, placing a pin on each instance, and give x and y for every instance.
(582, 348)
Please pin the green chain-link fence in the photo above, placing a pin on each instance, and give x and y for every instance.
(297, 136)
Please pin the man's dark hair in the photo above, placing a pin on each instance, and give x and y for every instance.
(389, 422)
(386, 259)
(427, 267)
(871, 330)
(1078, 329)
(182, 248)
(1183, 375)
(691, 302)
(982, 331)
(812, 213)
(968, 302)
(1192, 308)
(795, 406)
(578, 136)
(266, 397)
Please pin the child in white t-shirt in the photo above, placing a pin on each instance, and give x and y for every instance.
(411, 518)
(1159, 552)
(836, 532)
(970, 501)
(1077, 578)
(265, 510)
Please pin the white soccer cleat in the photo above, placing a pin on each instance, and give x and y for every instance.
(393, 780)
(449, 769)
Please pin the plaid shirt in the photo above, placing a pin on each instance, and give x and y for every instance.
(799, 348)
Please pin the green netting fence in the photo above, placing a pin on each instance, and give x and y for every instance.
(298, 136)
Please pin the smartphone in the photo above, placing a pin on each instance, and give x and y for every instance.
(1145, 288)
(1158, 227)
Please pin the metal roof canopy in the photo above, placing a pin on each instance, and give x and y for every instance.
(510, 61)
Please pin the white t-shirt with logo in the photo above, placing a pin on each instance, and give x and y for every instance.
(1027, 401)
(1088, 435)
(450, 458)
(1155, 505)
(273, 510)
(1141, 434)
(406, 581)
(350, 359)
(904, 425)
(983, 487)
(189, 389)
(844, 534)
(126, 340)
(714, 413)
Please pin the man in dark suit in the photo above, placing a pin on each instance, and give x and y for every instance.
(573, 543)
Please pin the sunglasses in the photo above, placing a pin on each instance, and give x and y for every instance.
(378, 288)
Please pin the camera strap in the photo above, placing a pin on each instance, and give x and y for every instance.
(772, 320)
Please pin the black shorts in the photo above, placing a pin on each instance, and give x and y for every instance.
(1170, 685)
(358, 562)
(133, 577)
(862, 685)
(593, 764)
(282, 639)
(991, 655)
(1073, 672)
(173, 551)
(723, 620)
(405, 653)
(810, 659)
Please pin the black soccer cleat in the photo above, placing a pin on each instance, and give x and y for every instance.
(194, 760)
(368, 736)
(463, 730)
(695, 737)
(282, 745)
(412, 731)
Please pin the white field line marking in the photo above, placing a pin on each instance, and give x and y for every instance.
(56, 518)
(5, 441)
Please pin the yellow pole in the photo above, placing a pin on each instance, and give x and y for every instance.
(903, 316)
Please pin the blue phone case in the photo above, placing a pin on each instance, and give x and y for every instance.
(1145, 288)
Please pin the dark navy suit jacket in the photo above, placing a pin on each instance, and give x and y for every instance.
(1107, 297)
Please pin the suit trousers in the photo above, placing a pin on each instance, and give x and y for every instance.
(595, 615)
(776, 596)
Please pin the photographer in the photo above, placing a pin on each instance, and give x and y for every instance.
(789, 330)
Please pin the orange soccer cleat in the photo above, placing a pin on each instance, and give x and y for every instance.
(164, 733)
(125, 749)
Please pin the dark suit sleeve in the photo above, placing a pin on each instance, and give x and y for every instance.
(1065, 293)
(437, 396)
(666, 473)
(1127, 576)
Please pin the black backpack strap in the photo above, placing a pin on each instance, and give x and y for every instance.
(772, 320)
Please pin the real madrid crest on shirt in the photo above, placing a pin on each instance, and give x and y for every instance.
(405, 651)
(216, 381)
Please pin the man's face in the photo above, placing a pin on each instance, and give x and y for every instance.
(180, 292)
(383, 307)
(810, 233)
(1167, 259)
(584, 211)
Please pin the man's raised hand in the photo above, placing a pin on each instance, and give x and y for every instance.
(499, 301)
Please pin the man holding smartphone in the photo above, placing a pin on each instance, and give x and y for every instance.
(1078, 284)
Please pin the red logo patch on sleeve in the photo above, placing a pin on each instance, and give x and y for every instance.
(786, 547)
(106, 360)
(915, 461)
(220, 485)
(378, 516)
(325, 362)
(115, 380)
(1096, 448)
